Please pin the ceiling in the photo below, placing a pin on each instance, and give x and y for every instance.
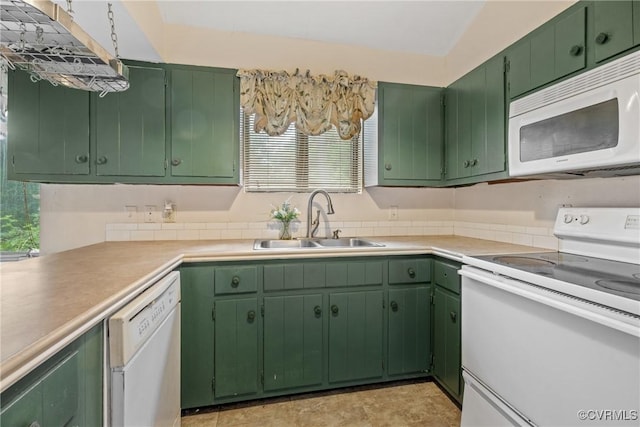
(421, 27)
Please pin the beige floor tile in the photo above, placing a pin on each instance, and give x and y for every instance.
(408, 404)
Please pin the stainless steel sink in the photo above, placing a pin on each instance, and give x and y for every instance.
(285, 244)
(346, 242)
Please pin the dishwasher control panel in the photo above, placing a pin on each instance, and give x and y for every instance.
(135, 323)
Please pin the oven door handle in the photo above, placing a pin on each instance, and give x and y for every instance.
(576, 306)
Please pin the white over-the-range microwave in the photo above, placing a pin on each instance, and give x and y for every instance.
(588, 125)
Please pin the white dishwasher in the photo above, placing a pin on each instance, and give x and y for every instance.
(144, 356)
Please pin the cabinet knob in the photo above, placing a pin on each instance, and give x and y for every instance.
(387, 166)
(576, 50)
(82, 158)
(466, 163)
(101, 160)
(411, 272)
(453, 315)
(335, 309)
(317, 310)
(176, 162)
(473, 162)
(251, 315)
(235, 281)
(394, 306)
(602, 38)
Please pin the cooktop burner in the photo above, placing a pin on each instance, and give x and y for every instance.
(604, 275)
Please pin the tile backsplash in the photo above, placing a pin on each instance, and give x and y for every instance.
(541, 237)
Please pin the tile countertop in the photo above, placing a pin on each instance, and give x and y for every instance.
(47, 302)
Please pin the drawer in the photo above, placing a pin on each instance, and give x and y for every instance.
(357, 273)
(236, 280)
(446, 275)
(409, 271)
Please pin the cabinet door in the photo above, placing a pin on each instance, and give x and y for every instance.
(292, 341)
(636, 22)
(25, 410)
(130, 127)
(204, 123)
(519, 56)
(410, 132)
(489, 150)
(355, 336)
(60, 392)
(48, 128)
(452, 120)
(409, 330)
(236, 347)
(197, 336)
(543, 56)
(569, 50)
(613, 28)
(446, 340)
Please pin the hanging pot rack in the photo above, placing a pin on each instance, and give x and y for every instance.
(39, 37)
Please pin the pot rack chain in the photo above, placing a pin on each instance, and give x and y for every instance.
(114, 35)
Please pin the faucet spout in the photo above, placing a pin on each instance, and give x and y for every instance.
(330, 211)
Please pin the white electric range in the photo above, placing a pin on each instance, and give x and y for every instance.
(553, 338)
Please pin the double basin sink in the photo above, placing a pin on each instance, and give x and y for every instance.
(345, 242)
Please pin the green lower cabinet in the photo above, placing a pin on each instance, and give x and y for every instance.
(409, 330)
(64, 391)
(446, 341)
(197, 336)
(355, 336)
(236, 347)
(293, 346)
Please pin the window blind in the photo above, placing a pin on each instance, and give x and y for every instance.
(298, 163)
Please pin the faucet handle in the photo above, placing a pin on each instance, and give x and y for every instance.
(336, 233)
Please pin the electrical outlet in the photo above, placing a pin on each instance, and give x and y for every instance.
(393, 213)
(149, 213)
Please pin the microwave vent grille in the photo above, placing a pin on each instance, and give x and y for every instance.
(605, 74)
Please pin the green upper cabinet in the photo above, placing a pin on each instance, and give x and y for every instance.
(552, 51)
(293, 346)
(48, 129)
(613, 27)
(205, 106)
(475, 123)
(407, 137)
(130, 127)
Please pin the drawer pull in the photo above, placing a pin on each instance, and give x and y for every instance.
(102, 160)
(453, 315)
(335, 309)
(235, 281)
(251, 315)
(82, 158)
(575, 50)
(317, 310)
(394, 306)
(411, 272)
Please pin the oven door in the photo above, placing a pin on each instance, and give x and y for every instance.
(578, 124)
(553, 359)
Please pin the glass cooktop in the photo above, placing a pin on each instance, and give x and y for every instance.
(619, 278)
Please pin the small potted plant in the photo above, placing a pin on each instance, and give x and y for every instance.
(285, 214)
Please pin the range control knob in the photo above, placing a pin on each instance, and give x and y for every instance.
(584, 219)
(568, 218)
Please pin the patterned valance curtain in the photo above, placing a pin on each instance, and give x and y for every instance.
(313, 103)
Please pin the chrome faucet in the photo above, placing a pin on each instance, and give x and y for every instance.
(316, 222)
